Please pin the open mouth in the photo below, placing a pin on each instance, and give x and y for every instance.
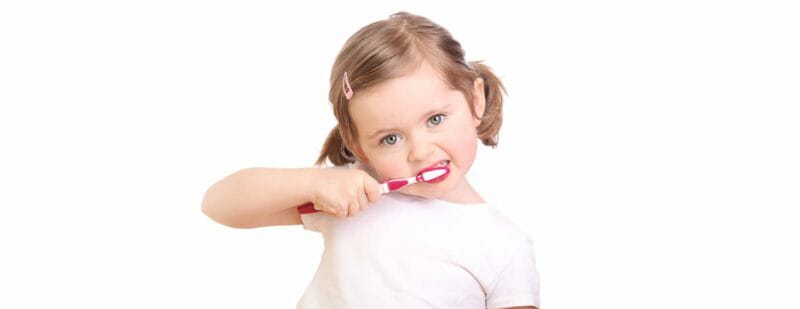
(437, 164)
(443, 163)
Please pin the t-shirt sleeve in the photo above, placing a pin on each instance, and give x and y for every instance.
(518, 283)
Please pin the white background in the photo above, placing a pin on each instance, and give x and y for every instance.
(650, 149)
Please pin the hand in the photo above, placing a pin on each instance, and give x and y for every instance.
(343, 192)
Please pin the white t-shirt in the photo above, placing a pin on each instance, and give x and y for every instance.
(410, 252)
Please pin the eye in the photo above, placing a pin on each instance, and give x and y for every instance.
(436, 120)
(390, 139)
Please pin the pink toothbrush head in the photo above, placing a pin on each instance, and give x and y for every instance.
(429, 175)
(433, 174)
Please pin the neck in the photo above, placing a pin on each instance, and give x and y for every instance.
(463, 193)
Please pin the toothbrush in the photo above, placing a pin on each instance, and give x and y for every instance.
(431, 174)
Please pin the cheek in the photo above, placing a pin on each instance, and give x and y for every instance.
(468, 150)
(388, 168)
(465, 147)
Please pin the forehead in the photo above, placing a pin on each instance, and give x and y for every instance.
(400, 99)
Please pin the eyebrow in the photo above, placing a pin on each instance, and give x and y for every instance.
(424, 116)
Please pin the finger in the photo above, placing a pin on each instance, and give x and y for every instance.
(328, 209)
(363, 203)
(341, 211)
(331, 209)
(372, 189)
(353, 209)
(322, 207)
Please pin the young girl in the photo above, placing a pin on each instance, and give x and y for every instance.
(405, 100)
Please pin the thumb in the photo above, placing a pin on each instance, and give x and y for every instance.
(372, 188)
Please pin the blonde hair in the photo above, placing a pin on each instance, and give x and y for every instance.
(388, 49)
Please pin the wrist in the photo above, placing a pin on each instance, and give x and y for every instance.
(307, 180)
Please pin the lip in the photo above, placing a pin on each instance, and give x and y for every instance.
(434, 165)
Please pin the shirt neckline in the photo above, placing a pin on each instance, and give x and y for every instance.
(438, 201)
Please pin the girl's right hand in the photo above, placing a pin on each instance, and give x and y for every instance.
(343, 192)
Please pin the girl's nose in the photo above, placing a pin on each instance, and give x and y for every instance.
(420, 151)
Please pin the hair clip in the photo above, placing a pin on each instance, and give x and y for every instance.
(348, 91)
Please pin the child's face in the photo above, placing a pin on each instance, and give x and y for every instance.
(414, 122)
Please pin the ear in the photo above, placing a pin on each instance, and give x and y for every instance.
(479, 100)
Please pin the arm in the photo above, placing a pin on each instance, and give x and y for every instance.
(257, 197)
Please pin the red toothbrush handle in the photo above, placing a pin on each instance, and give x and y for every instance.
(394, 184)
(307, 208)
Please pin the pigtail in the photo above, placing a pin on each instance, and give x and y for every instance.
(493, 90)
(334, 150)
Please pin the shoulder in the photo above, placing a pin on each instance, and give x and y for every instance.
(502, 224)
